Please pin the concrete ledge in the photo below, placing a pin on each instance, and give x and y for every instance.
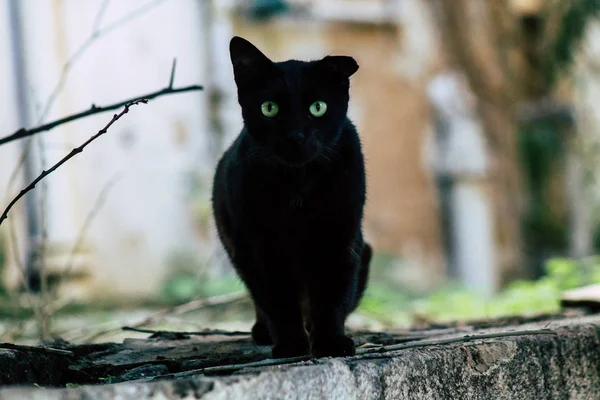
(561, 366)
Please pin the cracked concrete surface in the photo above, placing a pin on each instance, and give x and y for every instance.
(562, 366)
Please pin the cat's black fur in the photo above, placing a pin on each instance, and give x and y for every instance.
(288, 199)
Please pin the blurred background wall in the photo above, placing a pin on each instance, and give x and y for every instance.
(148, 163)
(476, 157)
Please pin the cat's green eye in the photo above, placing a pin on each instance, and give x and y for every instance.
(269, 109)
(318, 108)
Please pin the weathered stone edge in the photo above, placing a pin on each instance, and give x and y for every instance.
(565, 366)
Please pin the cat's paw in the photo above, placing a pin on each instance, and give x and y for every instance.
(333, 346)
(293, 348)
(261, 335)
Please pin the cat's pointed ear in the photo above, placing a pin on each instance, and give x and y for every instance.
(343, 65)
(246, 58)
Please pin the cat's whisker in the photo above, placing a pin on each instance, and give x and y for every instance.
(326, 158)
(329, 155)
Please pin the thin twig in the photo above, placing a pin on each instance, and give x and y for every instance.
(21, 133)
(99, 16)
(459, 339)
(236, 367)
(190, 306)
(208, 332)
(39, 349)
(44, 324)
(172, 73)
(66, 158)
(105, 328)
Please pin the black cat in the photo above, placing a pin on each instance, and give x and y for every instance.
(288, 199)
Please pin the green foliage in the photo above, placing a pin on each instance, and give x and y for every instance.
(181, 286)
(189, 279)
(449, 303)
(386, 304)
(2, 252)
(572, 29)
(542, 149)
(185, 286)
(109, 379)
(541, 145)
(520, 297)
(455, 303)
(265, 9)
(219, 286)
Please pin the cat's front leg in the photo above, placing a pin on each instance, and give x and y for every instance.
(332, 289)
(260, 330)
(281, 314)
(276, 299)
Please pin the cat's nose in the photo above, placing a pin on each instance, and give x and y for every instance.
(298, 136)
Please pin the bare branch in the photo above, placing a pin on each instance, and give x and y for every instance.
(207, 332)
(172, 73)
(73, 153)
(191, 306)
(114, 326)
(21, 133)
(459, 339)
(99, 16)
(39, 262)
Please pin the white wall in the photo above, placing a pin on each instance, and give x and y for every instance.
(9, 121)
(154, 149)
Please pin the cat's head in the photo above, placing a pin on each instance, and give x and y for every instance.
(293, 109)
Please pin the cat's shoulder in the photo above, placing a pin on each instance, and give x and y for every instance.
(350, 135)
(236, 147)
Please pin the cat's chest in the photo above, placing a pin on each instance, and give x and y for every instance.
(285, 196)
